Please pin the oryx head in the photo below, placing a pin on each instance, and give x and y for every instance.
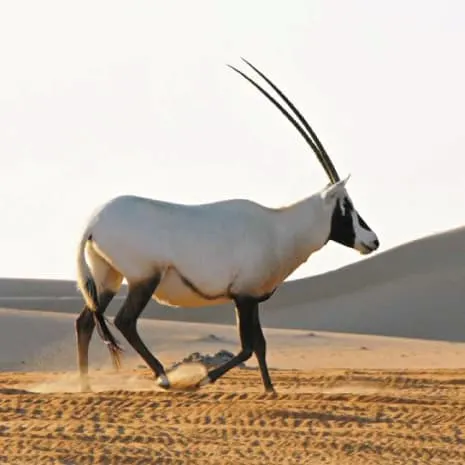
(347, 226)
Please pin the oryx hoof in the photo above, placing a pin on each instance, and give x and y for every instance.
(163, 382)
(271, 392)
(84, 384)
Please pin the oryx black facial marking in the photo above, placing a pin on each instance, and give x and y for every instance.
(362, 223)
(342, 223)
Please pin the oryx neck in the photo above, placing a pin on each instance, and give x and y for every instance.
(304, 225)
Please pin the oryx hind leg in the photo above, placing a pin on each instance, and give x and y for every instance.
(139, 294)
(108, 282)
(85, 324)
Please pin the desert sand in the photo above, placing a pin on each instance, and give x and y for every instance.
(368, 362)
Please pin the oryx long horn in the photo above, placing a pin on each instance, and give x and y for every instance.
(310, 137)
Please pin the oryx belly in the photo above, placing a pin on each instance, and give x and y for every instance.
(173, 291)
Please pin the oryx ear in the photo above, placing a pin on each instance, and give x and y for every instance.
(332, 191)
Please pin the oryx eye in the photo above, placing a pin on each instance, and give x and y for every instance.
(348, 206)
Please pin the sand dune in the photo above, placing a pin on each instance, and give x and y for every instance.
(368, 362)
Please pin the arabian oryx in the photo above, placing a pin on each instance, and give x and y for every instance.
(198, 255)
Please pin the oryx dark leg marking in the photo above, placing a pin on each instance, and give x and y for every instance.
(126, 320)
(260, 352)
(252, 340)
(84, 327)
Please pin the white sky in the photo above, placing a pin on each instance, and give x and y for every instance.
(105, 98)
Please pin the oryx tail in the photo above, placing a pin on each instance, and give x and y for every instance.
(86, 282)
(88, 287)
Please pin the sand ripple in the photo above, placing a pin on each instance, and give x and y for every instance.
(325, 416)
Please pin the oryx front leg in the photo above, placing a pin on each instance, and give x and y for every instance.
(252, 341)
(260, 353)
(138, 296)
